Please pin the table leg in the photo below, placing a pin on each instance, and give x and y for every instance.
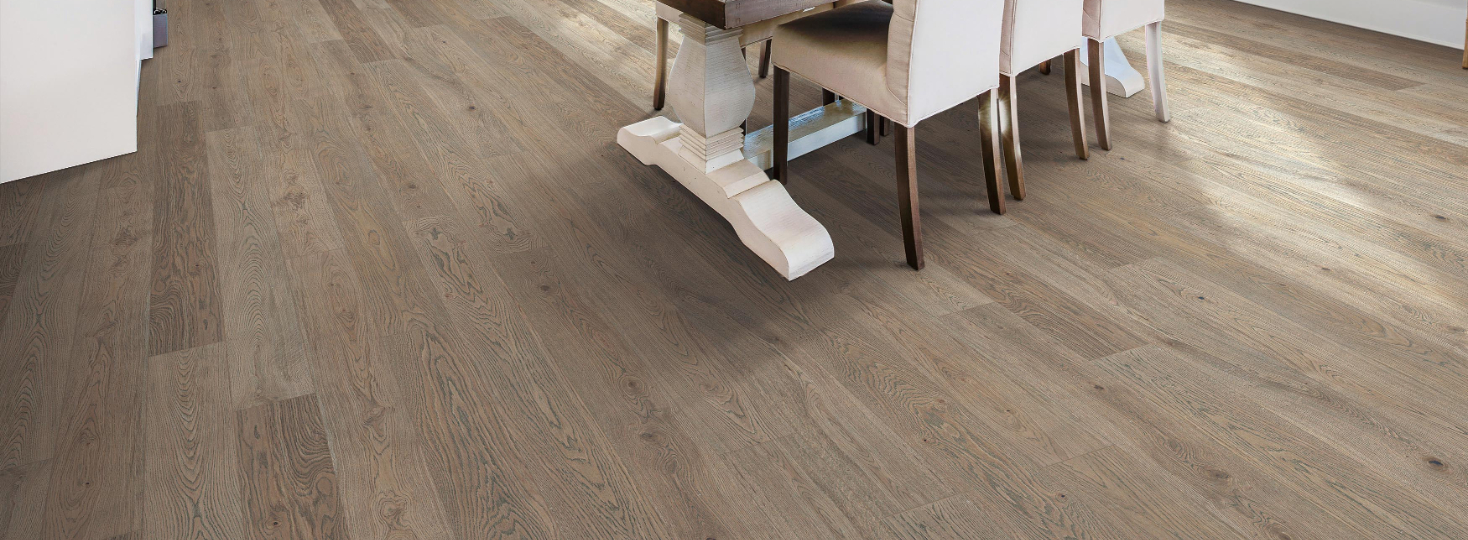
(711, 90)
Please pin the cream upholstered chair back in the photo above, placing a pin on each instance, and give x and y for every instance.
(942, 52)
(1038, 30)
(1108, 18)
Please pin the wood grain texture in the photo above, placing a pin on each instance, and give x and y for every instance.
(184, 310)
(40, 326)
(266, 345)
(286, 472)
(378, 270)
(385, 485)
(23, 499)
(94, 493)
(191, 461)
(19, 203)
(11, 257)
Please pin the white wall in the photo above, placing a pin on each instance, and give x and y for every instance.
(1433, 21)
(68, 83)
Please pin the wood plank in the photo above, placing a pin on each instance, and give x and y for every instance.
(954, 517)
(481, 497)
(1213, 415)
(386, 488)
(11, 257)
(1131, 492)
(365, 42)
(19, 204)
(23, 499)
(794, 505)
(265, 341)
(580, 459)
(286, 471)
(184, 310)
(40, 328)
(99, 446)
(191, 457)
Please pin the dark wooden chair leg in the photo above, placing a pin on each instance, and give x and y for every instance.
(827, 97)
(1045, 67)
(1073, 100)
(1013, 162)
(782, 125)
(886, 126)
(1098, 96)
(907, 195)
(660, 83)
(988, 126)
(872, 120)
(764, 60)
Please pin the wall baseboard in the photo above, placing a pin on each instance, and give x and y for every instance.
(1434, 21)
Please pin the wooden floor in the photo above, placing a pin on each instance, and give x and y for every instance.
(378, 270)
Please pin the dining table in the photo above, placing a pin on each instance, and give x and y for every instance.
(712, 92)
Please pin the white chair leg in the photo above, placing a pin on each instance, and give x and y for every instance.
(1154, 71)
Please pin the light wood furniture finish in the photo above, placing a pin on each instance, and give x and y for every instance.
(660, 80)
(709, 152)
(446, 309)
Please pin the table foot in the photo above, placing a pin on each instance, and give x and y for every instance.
(762, 213)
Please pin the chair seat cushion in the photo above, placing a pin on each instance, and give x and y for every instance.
(843, 50)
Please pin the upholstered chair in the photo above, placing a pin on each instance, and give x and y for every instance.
(906, 62)
(1035, 31)
(1105, 19)
(755, 34)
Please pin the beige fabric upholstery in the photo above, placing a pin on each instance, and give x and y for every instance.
(848, 45)
(906, 61)
(1108, 18)
(1036, 31)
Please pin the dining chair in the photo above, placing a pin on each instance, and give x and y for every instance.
(1036, 31)
(1105, 19)
(906, 61)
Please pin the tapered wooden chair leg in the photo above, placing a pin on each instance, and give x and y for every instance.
(1013, 162)
(782, 125)
(660, 82)
(1045, 67)
(764, 60)
(1073, 99)
(886, 126)
(1154, 72)
(988, 128)
(1098, 96)
(871, 132)
(907, 195)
